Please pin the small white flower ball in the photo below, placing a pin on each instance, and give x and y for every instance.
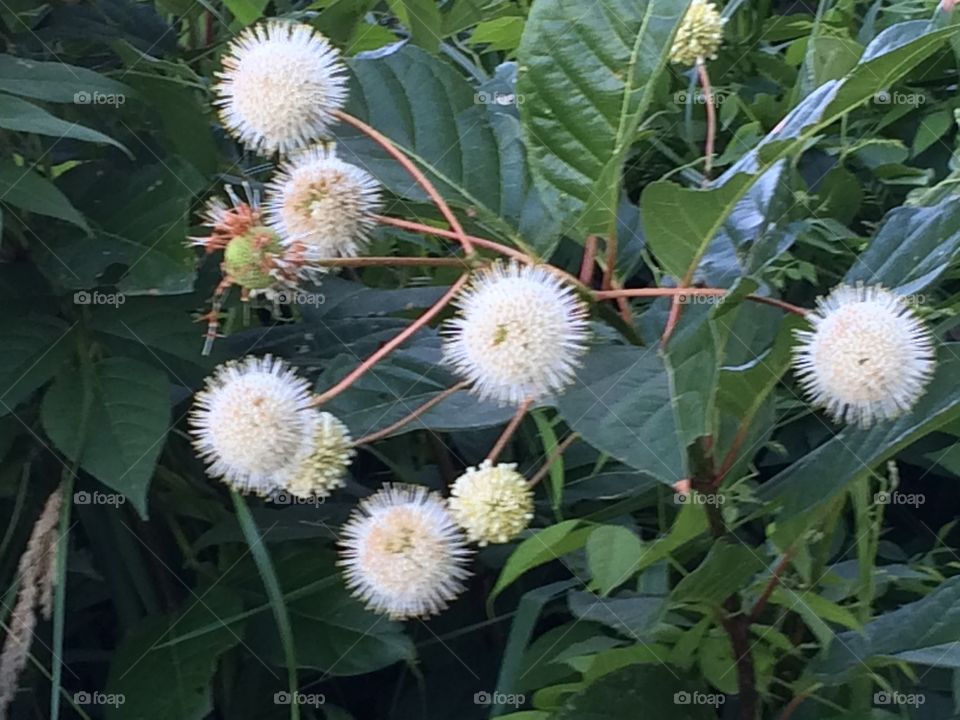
(492, 503)
(868, 356)
(280, 86)
(520, 334)
(252, 423)
(324, 470)
(323, 204)
(403, 553)
(699, 35)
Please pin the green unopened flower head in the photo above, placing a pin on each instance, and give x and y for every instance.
(492, 503)
(699, 35)
(323, 472)
(248, 258)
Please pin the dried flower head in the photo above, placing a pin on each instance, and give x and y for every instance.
(403, 553)
(520, 333)
(492, 503)
(868, 356)
(280, 86)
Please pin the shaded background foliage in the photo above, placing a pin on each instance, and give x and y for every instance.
(837, 148)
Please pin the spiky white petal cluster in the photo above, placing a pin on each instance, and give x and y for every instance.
(403, 553)
(492, 503)
(280, 85)
(520, 333)
(699, 35)
(322, 203)
(252, 423)
(868, 357)
(323, 471)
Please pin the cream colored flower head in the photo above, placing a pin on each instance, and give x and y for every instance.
(403, 554)
(252, 423)
(520, 334)
(868, 356)
(280, 86)
(699, 35)
(326, 467)
(492, 503)
(323, 204)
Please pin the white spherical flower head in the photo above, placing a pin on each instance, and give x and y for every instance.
(252, 423)
(868, 356)
(280, 86)
(403, 553)
(323, 204)
(699, 35)
(324, 470)
(492, 503)
(520, 333)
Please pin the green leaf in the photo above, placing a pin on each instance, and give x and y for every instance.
(622, 405)
(34, 348)
(728, 567)
(246, 11)
(28, 190)
(129, 419)
(816, 612)
(655, 688)
(613, 553)
(158, 681)
(681, 222)
(541, 547)
(472, 153)
(926, 623)
(422, 17)
(854, 452)
(913, 248)
(689, 524)
(499, 34)
(589, 71)
(54, 81)
(22, 116)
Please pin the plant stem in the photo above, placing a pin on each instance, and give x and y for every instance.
(421, 179)
(589, 260)
(509, 431)
(554, 456)
(390, 261)
(711, 119)
(432, 402)
(771, 585)
(391, 345)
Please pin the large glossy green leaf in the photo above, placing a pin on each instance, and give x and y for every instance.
(158, 681)
(621, 404)
(681, 222)
(727, 568)
(127, 426)
(918, 626)
(26, 189)
(550, 543)
(23, 116)
(854, 452)
(54, 81)
(913, 247)
(612, 554)
(422, 17)
(589, 70)
(473, 154)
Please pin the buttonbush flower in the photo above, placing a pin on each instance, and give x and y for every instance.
(492, 503)
(699, 35)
